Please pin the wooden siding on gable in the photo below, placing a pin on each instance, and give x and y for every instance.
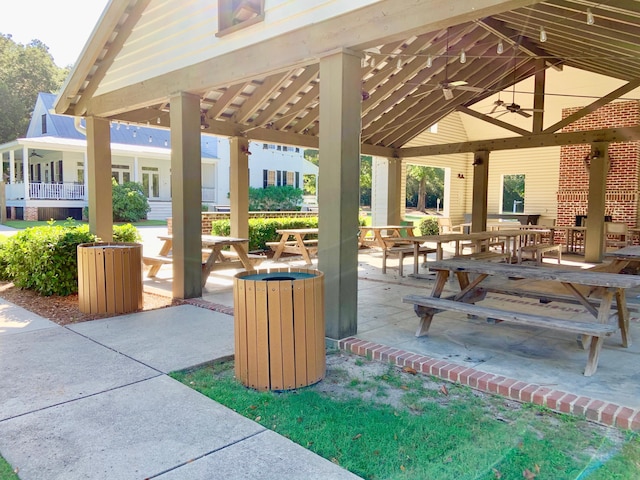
(172, 35)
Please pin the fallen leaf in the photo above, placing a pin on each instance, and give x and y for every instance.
(258, 418)
(448, 460)
(335, 460)
(528, 474)
(443, 390)
(357, 436)
(410, 370)
(402, 468)
(404, 387)
(537, 467)
(497, 474)
(253, 407)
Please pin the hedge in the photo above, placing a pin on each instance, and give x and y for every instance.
(263, 230)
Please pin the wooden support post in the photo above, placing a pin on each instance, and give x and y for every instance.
(598, 164)
(239, 187)
(480, 189)
(99, 178)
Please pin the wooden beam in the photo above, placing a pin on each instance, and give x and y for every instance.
(593, 106)
(114, 48)
(493, 121)
(626, 134)
(260, 95)
(225, 100)
(538, 96)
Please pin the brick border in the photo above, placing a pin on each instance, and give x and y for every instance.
(598, 411)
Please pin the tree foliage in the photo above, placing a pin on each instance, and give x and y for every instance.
(25, 71)
(129, 202)
(283, 198)
(424, 186)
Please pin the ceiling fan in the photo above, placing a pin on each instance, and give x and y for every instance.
(34, 154)
(512, 107)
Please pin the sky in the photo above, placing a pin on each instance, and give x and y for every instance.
(62, 25)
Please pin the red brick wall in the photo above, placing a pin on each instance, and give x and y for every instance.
(622, 179)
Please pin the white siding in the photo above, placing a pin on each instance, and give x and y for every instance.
(174, 34)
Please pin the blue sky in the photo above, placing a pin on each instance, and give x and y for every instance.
(63, 25)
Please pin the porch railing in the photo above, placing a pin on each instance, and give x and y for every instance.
(56, 191)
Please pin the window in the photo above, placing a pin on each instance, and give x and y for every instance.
(291, 179)
(121, 172)
(44, 123)
(234, 15)
(271, 178)
(513, 193)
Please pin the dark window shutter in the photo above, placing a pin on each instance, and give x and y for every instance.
(297, 179)
(265, 178)
(279, 178)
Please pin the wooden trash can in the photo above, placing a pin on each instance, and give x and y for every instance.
(110, 277)
(279, 328)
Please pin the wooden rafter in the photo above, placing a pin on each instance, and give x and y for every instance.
(493, 121)
(259, 96)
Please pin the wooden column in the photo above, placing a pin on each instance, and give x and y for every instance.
(186, 202)
(239, 187)
(538, 97)
(598, 168)
(338, 192)
(26, 174)
(386, 191)
(99, 178)
(480, 189)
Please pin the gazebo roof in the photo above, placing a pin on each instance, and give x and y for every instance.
(412, 77)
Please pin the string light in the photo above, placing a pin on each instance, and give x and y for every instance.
(399, 63)
(500, 48)
(590, 19)
(543, 35)
(429, 61)
(150, 139)
(463, 56)
(135, 133)
(158, 121)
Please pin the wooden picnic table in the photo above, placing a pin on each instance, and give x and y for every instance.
(214, 257)
(612, 286)
(626, 257)
(293, 240)
(383, 236)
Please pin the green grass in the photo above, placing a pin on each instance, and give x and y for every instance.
(6, 472)
(427, 433)
(22, 224)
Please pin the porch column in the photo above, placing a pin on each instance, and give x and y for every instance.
(186, 201)
(338, 193)
(12, 167)
(26, 175)
(599, 166)
(386, 191)
(239, 187)
(480, 189)
(99, 178)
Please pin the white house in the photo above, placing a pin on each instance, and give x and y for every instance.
(46, 176)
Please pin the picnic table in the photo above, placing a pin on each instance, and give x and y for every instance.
(612, 287)
(294, 241)
(214, 255)
(383, 236)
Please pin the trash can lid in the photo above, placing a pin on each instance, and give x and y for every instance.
(274, 276)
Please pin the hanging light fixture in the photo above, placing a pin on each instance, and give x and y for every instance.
(543, 35)
(158, 121)
(150, 139)
(429, 61)
(399, 63)
(500, 48)
(373, 62)
(590, 19)
(135, 133)
(463, 56)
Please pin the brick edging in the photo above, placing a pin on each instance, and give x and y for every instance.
(605, 413)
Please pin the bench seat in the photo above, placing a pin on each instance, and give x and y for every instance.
(401, 252)
(539, 250)
(423, 304)
(486, 255)
(156, 260)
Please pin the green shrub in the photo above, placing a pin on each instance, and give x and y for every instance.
(45, 259)
(129, 202)
(429, 226)
(285, 198)
(263, 230)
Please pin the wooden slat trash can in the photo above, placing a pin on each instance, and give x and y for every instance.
(110, 277)
(279, 328)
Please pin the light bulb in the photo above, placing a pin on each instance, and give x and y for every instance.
(590, 19)
(166, 143)
(158, 121)
(399, 64)
(500, 48)
(543, 35)
(463, 56)
(373, 62)
(429, 61)
(135, 134)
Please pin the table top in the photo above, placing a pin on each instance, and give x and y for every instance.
(632, 252)
(212, 239)
(387, 227)
(576, 276)
(298, 230)
(452, 237)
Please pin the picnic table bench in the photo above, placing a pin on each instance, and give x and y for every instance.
(612, 287)
(298, 245)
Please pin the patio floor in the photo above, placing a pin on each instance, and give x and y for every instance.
(545, 358)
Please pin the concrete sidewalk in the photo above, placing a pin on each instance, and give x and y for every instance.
(93, 400)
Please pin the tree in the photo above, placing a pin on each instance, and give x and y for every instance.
(25, 71)
(129, 202)
(366, 170)
(430, 182)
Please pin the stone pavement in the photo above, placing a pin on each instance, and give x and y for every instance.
(93, 400)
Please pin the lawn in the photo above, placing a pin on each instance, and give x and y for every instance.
(380, 422)
(6, 472)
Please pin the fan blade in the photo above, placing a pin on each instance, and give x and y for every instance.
(470, 89)
(503, 113)
(493, 110)
(524, 114)
(456, 83)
